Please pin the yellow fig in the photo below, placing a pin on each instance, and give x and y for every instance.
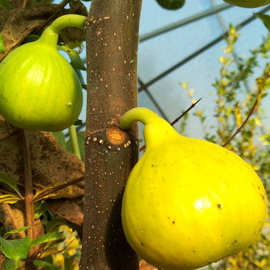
(248, 3)
(188, 202)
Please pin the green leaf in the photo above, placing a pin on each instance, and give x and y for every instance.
(45, 265)
(5, 179)
(79, 73)
(10, 264)
(171, 4)
(16, 249)
(78, 122)
(5, 3)
(40, 209)
(22, 229)
(75, 60)
(53, 224)
(81, 141)
(48, 237)
(2, 44)
(265, 19)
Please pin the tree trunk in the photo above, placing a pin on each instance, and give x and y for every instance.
(112, 43)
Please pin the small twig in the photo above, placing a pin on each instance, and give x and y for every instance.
(178, 118)
(24, 3)
(54, 189)
(185, 112)
(64, 3)
(243, 123)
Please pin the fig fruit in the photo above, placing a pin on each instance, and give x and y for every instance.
(248, 3)
(188, 202)
(171, 4)
(39, 90)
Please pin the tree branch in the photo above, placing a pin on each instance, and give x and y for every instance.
(112, 43)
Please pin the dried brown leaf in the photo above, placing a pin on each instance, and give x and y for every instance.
(12, 219)
(67, 209)
(51, 165)
(143, 265)
(18, 23)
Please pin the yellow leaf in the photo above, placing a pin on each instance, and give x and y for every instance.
(258, 122)
(184, 85)
(190, 92)
(199, 113)
(9, 198)
(222, 59)
(194, 100)
(261, 263)
(220, 119)
(238, 116)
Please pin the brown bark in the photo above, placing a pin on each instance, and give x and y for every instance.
(112, 42)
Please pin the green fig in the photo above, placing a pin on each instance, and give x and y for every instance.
(188, 202)
(248, 3)
(39, 90)
(171, 4)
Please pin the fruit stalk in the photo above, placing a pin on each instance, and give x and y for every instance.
(136, 114)
(50, 34)
(156, 129)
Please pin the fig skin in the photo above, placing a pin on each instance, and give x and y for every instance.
(188, 202)
(39, 90)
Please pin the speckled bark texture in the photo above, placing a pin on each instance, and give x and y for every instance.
(112, 42)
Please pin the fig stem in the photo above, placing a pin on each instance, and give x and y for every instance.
(141, 114)
(156, 129)
(50, 34)
(69, 20)
(74, 141)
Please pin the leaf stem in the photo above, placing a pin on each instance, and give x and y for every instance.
(47, 191)
(74, 141)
